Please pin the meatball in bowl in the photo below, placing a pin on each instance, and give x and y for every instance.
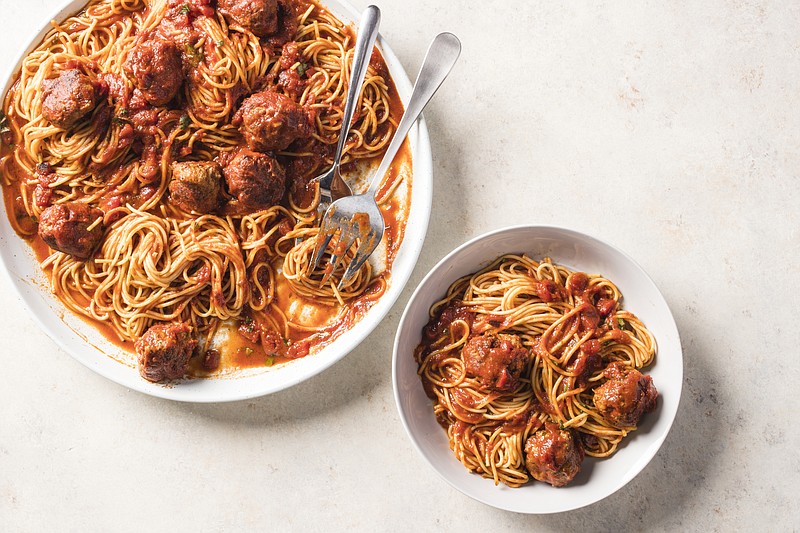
(489, 359)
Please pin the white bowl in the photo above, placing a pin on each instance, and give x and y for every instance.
(87, 345)
(598, 478)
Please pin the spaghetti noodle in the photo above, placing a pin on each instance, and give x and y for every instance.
(158, 260)
(523, 345)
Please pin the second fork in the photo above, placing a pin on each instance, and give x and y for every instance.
(331, 184)
(359, 217)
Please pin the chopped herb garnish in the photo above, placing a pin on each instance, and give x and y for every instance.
(220, 43)
(119, 121)
(123, 112)
(269, 361)
(561, 426)
(286, 341)
(302, 68)
(623, 324)
(184, 10)
(248, 325)
(194, 55)
(184, 122)
(246, 351)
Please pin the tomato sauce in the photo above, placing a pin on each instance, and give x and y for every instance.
(310, 324)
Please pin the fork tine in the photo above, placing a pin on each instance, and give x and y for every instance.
(319, 249)
(326, 232)
(346, 239)
(365, 249)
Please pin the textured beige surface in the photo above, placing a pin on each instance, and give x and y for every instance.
(670, 130)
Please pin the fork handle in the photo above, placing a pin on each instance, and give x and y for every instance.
(365, 42)
(442, 55)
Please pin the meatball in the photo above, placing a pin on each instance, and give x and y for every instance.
(271, 121)
(68, 98)
(195, 185)
(155, 66)
(66, 228)
(258, 16)
(164, 351)
(287, 24)
(625, 396)
(553, 455)
(495, 360)
(256, 180)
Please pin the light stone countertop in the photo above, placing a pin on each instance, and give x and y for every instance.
(669, 129)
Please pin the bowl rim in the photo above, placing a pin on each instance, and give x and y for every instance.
(649, 452)
(35, 297)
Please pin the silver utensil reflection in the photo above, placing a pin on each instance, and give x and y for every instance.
(331, 184)
(358, 217)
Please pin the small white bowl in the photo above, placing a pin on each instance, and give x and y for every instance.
(598, 477)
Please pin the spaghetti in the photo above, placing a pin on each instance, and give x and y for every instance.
(525, 345)
(159, 260)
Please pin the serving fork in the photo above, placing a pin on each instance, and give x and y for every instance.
(359, 217)
(331, 184)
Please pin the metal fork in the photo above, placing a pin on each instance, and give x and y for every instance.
(331, 184)
(359, 217)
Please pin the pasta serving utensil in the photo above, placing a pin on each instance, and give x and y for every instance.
(358, 217)
(331, 184)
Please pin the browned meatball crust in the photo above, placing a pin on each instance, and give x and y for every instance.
(68, 98)
(495, 360)
(287, 24)
(195, 185)
(271, 121)
(553, 455)
(65, 227)
(258, 16)
(155, 66)
(625, 396)
(257, 180)
(164, 351)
